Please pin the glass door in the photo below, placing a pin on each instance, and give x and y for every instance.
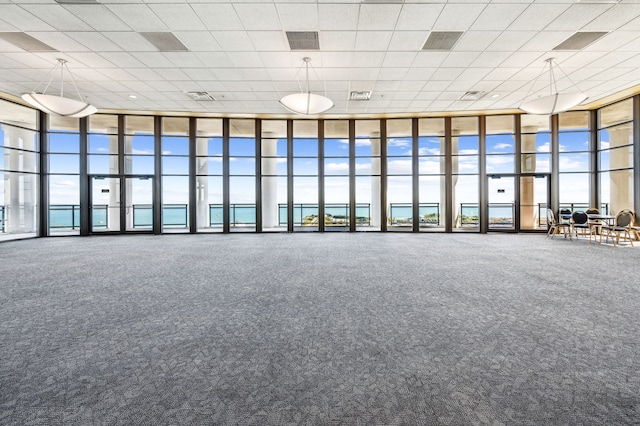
(105, 204)
(534, 199)
(139, 203)
(501, 212)
(121, 204)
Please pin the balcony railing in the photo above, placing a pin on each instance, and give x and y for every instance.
(1, 219)
(401, 214)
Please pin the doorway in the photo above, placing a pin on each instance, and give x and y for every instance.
(517, 202)
(121, 204)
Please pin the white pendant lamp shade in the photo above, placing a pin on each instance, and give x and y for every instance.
(306, 103)
(555, 102)
(59, 105)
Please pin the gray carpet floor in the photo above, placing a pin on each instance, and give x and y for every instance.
(322, 329)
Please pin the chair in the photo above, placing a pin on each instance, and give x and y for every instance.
(595, 225)
(579, 221)
(564, 215)
(622, 226)
(556, 227)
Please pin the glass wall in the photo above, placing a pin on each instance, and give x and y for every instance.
(306, 214)
(19, 171)
(175, 174)
(465, 145)
(399, 175)
(242, 175)
(63, 147)
(209, 193)
(615, 156)
(367, 175)
(301, 175)
(574, 160)
(336, 176)
(431, 170)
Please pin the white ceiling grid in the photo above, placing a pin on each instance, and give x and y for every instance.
(238, 51)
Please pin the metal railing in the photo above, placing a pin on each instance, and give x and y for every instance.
(469, 215)
(239, 215)
(498, 218)
(334, 214)
(401, 214)
(173, 215)
(1, 219)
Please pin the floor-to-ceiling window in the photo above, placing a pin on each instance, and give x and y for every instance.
(367, 175)
(535, 168)
(209, 193)
(574, 160)
(465, 144)
(274, 167)
(615, 152)
(242, 175)
(63, 148)
(500, 146)
(19, 168)
(400, 175)
(175, 174)
(336, 175)
(305, 175)
(431, 170)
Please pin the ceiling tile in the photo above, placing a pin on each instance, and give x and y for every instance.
(218, 17)
(378, 17)
(298, 17)
(337, 40)
(198, 41)
(23, 20)
(138, 16)
(337, 59)
(130, 41)
(178, 17)
(458, 17)
(537, 16)
(268, 41)
(399, 59)
(233, 41)
(98, 17)
(94, 41)
(408, 40)
(418, 16)
(368, 59)
(577, 16)
(339, 17)
(215, 59)
(476, 41)
(498, 16)
(258, 16)
(511, 41)
(373, 40)
(59, 17)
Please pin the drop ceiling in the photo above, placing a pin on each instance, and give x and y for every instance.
(238, 52)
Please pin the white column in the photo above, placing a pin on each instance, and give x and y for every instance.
(375, 180)
(202, 183)
(528, 209)
(454, 180)
(128, 168)
(270, 183)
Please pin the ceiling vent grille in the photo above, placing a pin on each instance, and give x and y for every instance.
(26, 42)
(201, 96)
(579, 40)
(472, 95)
(442, 40)
(164, 41)
(303, 40)
(360, 96)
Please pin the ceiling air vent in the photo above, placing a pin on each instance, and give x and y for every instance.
(472, 95)
(360, 96)
(303, 40)
(579, 40)
(201, 96)
(26, 42)
(164, 41)
(442, 40)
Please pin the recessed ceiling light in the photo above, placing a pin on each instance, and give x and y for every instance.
(495, 95)
(133, 97)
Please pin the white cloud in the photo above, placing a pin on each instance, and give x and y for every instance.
(337, 167)
(502, 145)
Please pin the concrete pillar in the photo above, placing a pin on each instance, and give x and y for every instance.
(128, 185)
(375, 180)
(269, 182)
(21, 190)
(202, 183)
(528, 210)
(621, 182)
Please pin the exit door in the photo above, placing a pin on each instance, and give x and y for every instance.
(120, 204)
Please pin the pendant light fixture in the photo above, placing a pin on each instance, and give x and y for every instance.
(59, 105)
(555, 102)
(306, 103)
